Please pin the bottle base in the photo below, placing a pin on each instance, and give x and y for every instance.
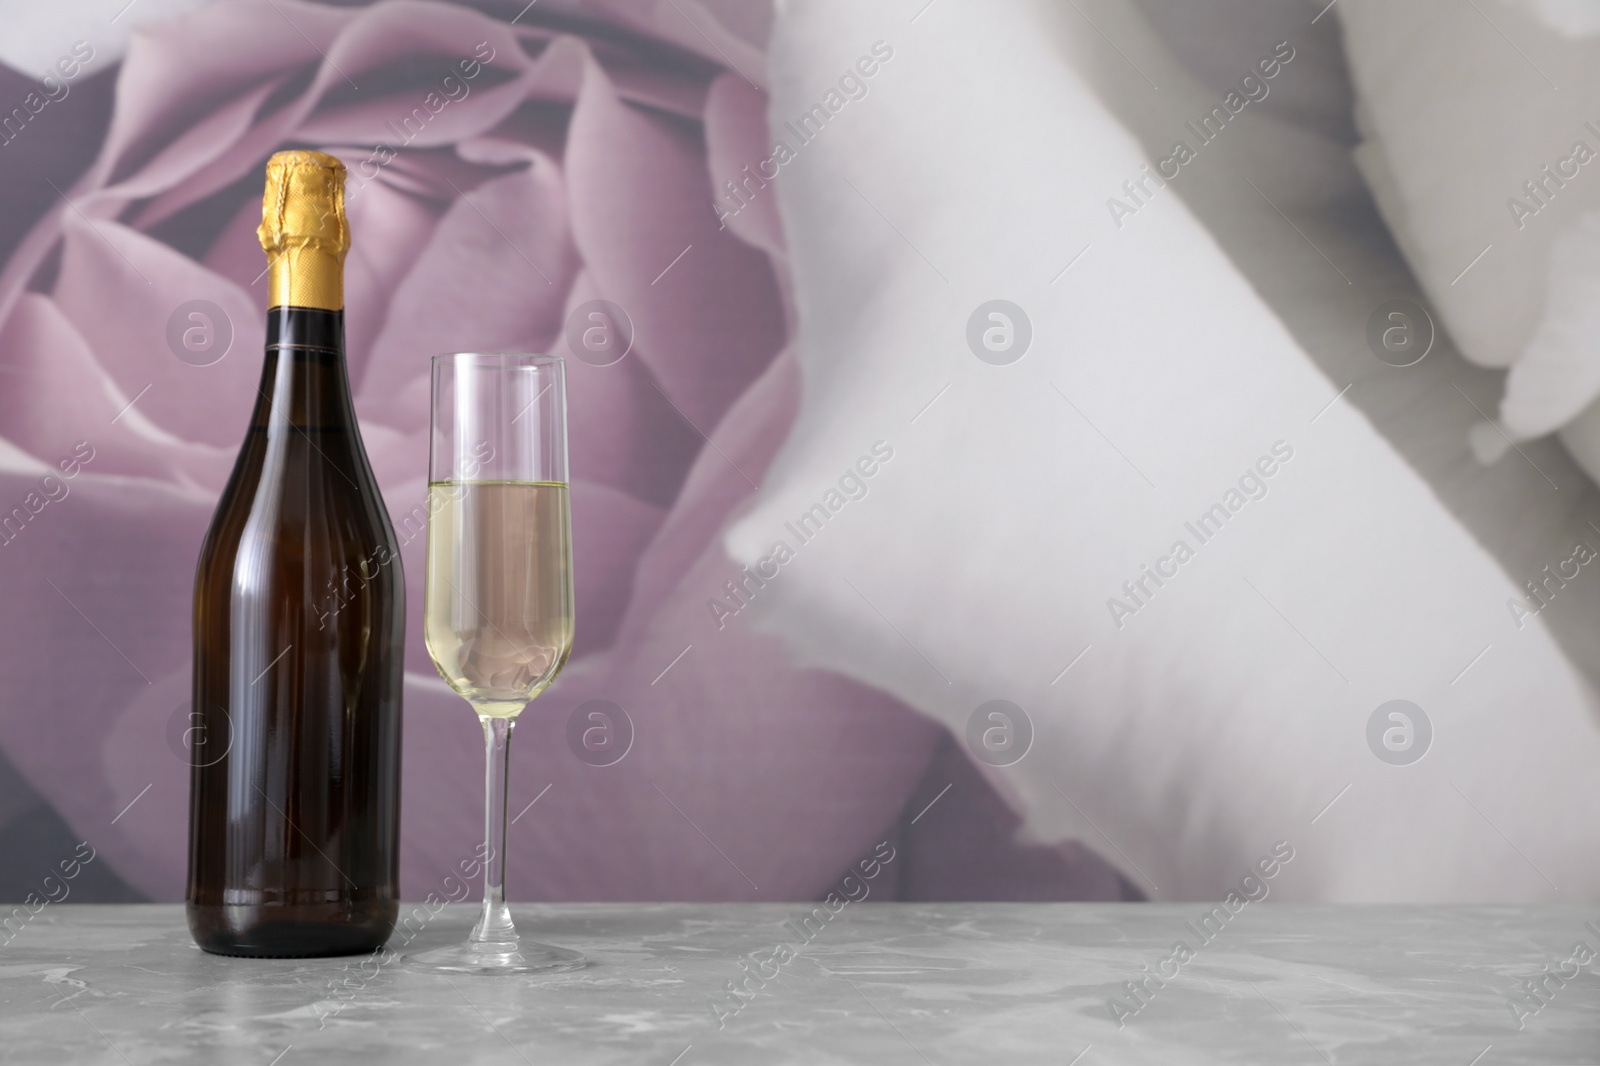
(299, 931)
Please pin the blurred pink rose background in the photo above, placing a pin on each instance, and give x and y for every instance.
(578, 162)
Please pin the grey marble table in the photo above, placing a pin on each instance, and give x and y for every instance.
(873, 983)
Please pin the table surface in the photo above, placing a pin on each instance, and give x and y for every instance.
(925, 984)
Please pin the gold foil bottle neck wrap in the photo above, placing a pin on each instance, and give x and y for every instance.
(304, 231)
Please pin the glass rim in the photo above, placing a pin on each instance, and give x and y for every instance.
(499, 358)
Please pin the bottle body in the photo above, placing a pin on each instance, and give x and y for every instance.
(299, 653)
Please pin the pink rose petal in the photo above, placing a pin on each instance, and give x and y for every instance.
(57, 394)
(103, 567)
(749, 437)
(493, 277)
(610, 530)
(703, 302)
(623, 431)
(121, 288)
(737, 145)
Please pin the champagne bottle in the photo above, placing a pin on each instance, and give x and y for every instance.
(299, 620)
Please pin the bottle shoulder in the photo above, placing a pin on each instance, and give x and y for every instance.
(298, 510)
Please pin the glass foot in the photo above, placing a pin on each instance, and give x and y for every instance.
(514, 957)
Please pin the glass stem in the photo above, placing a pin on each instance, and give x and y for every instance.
(494, 925)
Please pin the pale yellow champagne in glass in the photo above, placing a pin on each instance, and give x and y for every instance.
(499, 604)
(500, 644)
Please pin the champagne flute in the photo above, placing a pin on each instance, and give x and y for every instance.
(499, 603)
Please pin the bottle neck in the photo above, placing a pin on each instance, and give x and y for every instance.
(289, 326)
(303, 382)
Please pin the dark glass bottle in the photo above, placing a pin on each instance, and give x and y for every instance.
(299, 621)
